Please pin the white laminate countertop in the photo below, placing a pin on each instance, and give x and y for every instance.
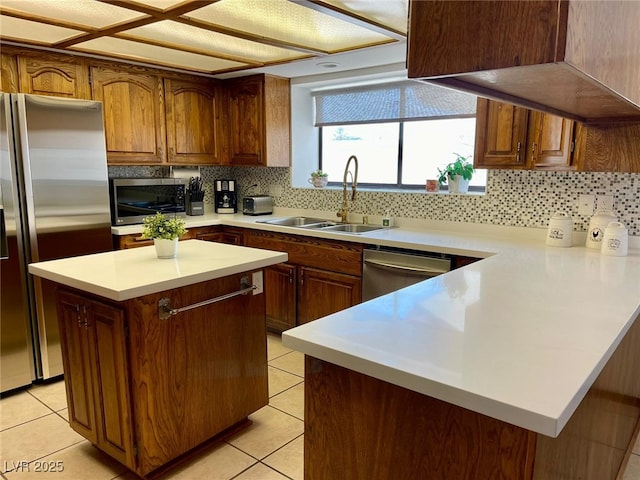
(125, 274)
(520, 336)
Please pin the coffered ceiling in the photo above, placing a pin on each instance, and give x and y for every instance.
(205, 36)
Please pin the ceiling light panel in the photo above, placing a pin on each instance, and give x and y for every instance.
(212, 42)
(288, 22)
(79, 12)
(157, 55)
(391, 13)
(33, 32)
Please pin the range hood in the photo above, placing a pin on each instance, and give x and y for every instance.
(578, 59)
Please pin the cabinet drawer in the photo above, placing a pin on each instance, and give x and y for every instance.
(336, 256)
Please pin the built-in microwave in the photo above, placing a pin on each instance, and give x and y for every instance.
(132, 199)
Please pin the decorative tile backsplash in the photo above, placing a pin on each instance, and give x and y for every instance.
(514, 197)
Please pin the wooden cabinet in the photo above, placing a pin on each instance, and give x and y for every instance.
(9, 73)
(321, 277)
(148, 390)
(192, 122)
(214, 233)
(133, 108)
(557, 56)
(95, 363)
(508, 136)
(59, 76)
(258, 121)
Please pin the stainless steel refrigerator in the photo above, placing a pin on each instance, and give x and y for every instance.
(55, 204)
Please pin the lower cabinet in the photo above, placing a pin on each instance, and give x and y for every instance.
(214, 233)
(320, 278)
(148, 390)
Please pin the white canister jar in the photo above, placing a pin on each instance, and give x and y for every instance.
(616, 240)
(560, 231)
(597, 225)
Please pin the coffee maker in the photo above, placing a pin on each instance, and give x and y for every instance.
(225, 196)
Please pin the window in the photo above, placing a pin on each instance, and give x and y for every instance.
(401, 132)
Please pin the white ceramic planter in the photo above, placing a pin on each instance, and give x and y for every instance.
(166, 248)
(319, 182)
(458, 185)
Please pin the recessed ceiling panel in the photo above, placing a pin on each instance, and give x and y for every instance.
(33, 32)
(81, 12)
(288, 22)
(212, 42)
(157, 55)
(389, 13)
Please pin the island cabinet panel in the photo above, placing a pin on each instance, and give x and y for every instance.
(133, 106)
(359, 427)
(196, 373)
(97, 380)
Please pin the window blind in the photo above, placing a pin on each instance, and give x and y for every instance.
(397, 101)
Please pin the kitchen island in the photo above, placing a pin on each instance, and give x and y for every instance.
(162, 356)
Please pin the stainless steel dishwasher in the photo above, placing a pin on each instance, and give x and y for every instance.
(387, 269)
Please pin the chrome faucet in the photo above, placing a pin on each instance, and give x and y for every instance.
(344, 213)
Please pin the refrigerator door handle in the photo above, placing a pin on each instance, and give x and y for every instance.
(4, 250)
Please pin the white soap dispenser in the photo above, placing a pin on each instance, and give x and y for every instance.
(386, 220)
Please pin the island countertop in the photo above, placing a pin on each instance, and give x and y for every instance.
(125, 274)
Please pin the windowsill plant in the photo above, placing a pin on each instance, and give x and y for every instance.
(457, 174)
(319, 179)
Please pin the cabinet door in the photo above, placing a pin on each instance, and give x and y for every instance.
(501, 135)
(550, 142)
(8, 73)
(77, 342)
(112, 400)
(280, 285)
(54, 76)
(246, 122)
(191, 122)
(133, 116)
(321, 293)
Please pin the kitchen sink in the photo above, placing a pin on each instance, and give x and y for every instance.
(352, 228)
(297, 221)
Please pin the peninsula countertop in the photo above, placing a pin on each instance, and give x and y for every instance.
(125, 274)
(519, 336)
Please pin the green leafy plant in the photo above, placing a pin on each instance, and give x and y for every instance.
(460, 167)
(319, 174)
(159, 226)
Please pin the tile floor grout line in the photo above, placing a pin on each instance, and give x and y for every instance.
(285, 371)
(28, 421)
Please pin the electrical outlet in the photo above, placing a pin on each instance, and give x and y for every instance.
(605, 202)
(256, 279)
(586, 203)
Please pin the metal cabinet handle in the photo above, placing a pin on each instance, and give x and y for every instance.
(392, 266)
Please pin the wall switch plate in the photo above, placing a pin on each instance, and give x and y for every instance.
(586, 204)
(256, 280)
(605, 202)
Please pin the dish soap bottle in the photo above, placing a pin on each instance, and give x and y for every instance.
(386, 220)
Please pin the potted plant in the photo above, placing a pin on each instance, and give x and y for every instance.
(165, 233)
(457, 174)
(319, 179)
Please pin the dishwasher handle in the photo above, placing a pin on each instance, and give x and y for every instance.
(432, 272)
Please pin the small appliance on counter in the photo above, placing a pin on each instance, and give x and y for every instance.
(257, 205)
(225, 194)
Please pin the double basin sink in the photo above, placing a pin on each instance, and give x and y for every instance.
(322, 224)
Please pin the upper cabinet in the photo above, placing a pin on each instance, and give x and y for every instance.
(133, 109)
(576, 59)
(57, 76)
(258, 123)
(8, 73)
(513, 137)
(192, 122)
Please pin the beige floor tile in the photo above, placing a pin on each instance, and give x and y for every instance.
(280, 381)
(270, 430)
(292, 362)
(52, 395)
(636, 448)
(20, 408)
(290, 401)
(36, 439)
(632, 471)
(275, 347)
(79, 461)
(64, 414)
(260, 472)
(221, 463)
(289, 459)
